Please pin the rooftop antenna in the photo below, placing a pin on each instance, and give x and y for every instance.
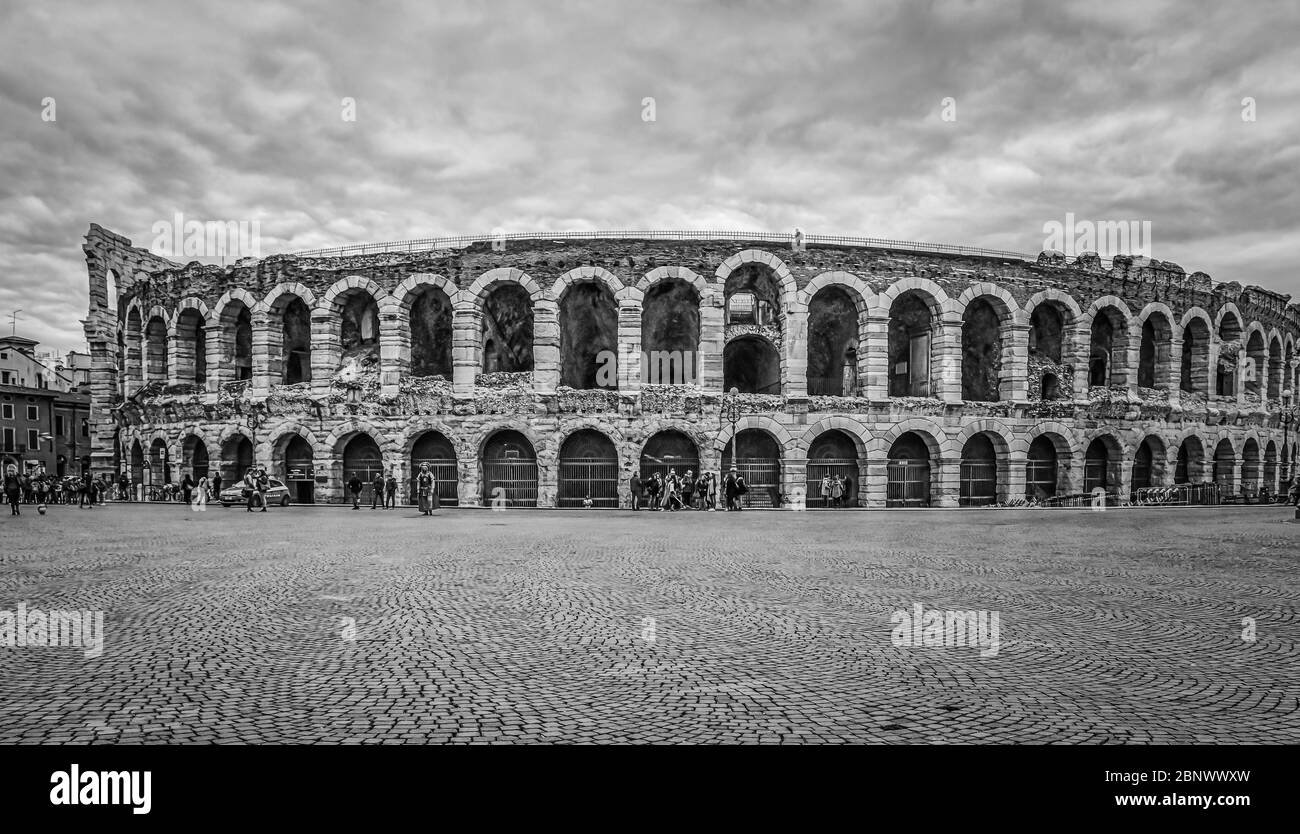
(13, 322)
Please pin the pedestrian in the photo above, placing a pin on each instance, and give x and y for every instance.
(636, 489)
(13, 489)
(848, 491)
(87, 491)
(355, 486)
(263, 484)
(201, 493)
(687, 488)
(424, 485)
(653, 488)
(187, 489)
(249, 487)
(826, 490)
(587, 502)
(42, 486)
(672, 492)
(390, 490)
(1295, 490)
(216, 486)
(837, 491)
(377, 490)
(701, 492)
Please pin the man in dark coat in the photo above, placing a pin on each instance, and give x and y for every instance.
(355, 486)
(390, 490)
(377, 490)
(424, 489)
(636, 490)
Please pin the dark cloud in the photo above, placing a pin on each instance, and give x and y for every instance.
(527, 116)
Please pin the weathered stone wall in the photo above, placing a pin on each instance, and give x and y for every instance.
(670, 294)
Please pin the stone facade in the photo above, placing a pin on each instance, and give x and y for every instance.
(174, 369)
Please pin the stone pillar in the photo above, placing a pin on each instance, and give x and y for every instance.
(1013, 382)
(1011, 476)
(1169, 375)
(326, 352)
(180, 362)
(467, 468)
(873, 360)
(1081, 342)
(629, 344)
(268, 346)
(1131, 354)
(794, 475)
(466, 333)
(795, 350)
(219, 371)
(546, 346)
(134, 361)
(872, 485)
(945, 359)
(394, 350)
(946, 487)
(712, 339)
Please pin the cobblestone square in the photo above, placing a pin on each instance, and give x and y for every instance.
(328, 626)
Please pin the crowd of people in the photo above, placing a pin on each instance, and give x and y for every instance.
(669, 492)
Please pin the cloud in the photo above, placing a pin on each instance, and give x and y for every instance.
(527, 116)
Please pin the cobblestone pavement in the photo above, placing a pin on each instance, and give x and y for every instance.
(528, 626)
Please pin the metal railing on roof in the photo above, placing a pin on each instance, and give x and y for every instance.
(785, 238)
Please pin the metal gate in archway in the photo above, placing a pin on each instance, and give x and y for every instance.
(978, 483)
(516, 477)
(446, 480)
(834, 467)
(582, 477)
(908, 483)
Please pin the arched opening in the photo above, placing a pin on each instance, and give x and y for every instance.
(156, 358)
(753, 295)
(160, 470)
(1046, 329)
(1050, 387)
(362, 458)
(1148, 464)
(1250, 469)
(833, 328)
(832, 455)
(1041, 478)
(670, 334)
(911, 326)
(1225, 461)
(1190, 465)
(291, 364)
(508, 330)
(134, 340)
(1270, 467)
(137, 463)
(1153, 353)
(194, 457)
(978, 475)
(509, 467)
(191, 348)
(430, 322)
(670, 450)
(298, 467)
(751, 365)
(1100, 464)
(1275, 370)
(237, 333)
(1225, 382)
(589, 469)
(757, 458)
(908, 472)
(981, 352)
(588, 336)
(1108, 348)
(236, 458)
(1195, 367)
(1257, 368)
(356, 319)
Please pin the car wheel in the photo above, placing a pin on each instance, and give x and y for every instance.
(284, 502)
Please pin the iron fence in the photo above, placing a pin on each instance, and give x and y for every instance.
(1040, 479)
(516, 478)
(978, 483)
(580, 478)
(446, 480)
(907, 484)
(762, 476)
(834, 467)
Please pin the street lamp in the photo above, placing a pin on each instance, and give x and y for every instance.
(731, 411)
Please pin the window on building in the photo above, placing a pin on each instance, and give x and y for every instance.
(33, 440)
(4, 377)
(85, 427)
(33, 412)
(58, 425)
(9, 440)
(8, 411)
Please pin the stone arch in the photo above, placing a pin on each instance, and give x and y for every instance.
(665, 273)
(784, 440)
(988, 348)
(1196, 329)
(329, 302)
(584, 273)
(339, 437)
(929, 430)
(273, 298)
(1008, 308)
(1224, 310)
(857, 288)
(789, 288)
(1108, 325)
(1156, 326)
(478, 291)
(997, 431)
(403, 294)
(835, 354)
(929, 292)
(588, 319)
(854, 428)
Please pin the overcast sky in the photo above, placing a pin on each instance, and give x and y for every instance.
(528, 117)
